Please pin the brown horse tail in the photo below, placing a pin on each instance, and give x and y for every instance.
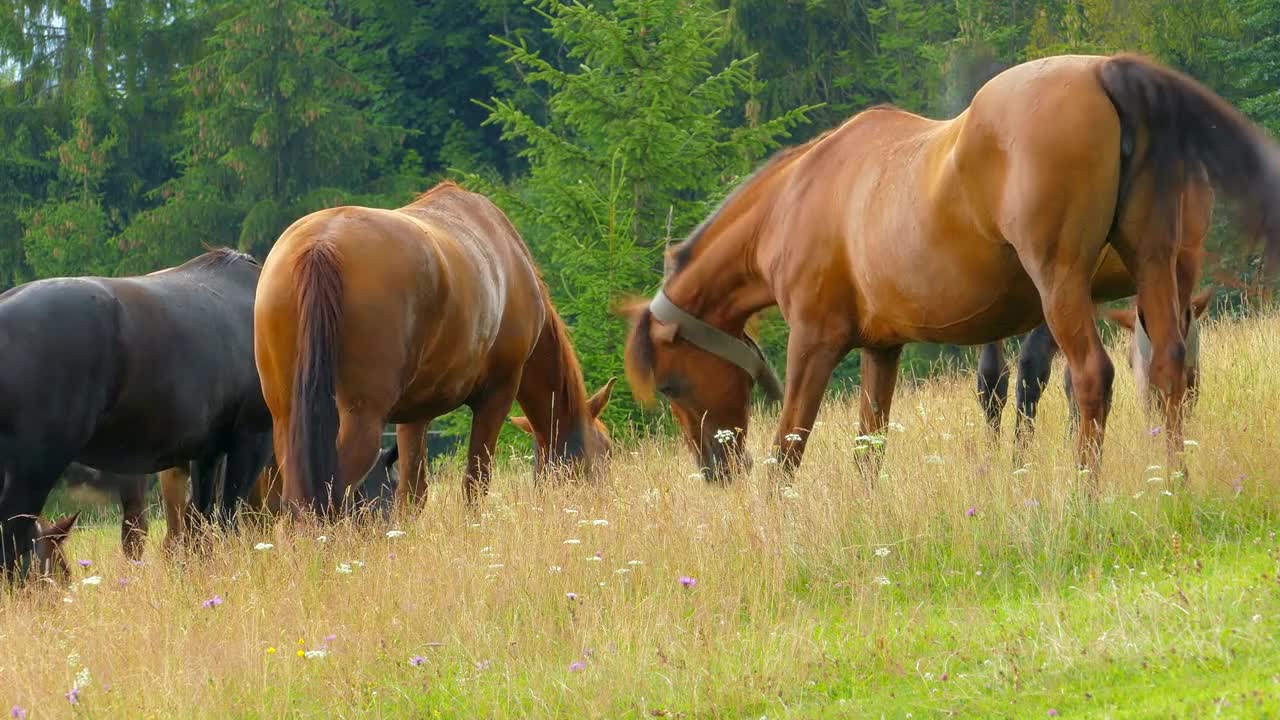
(1186, 124)
(313, 417)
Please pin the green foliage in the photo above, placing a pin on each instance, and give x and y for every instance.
(134, 132)
(274, 128)
(635, 145)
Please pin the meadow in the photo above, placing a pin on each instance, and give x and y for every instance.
(961, 585)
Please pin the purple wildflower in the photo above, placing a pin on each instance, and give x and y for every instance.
(18, 713)
(577, 666)
(972, 511)
(417, 660)
(212, 602)
(1154, 432)
(687, 581)
(1053, 713)
(329, 638)
(1033, 503)
(73, 696)
(85, 563)
(572, 596)
(483, 665)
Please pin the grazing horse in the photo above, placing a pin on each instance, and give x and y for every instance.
(1111, 282)
(366, 316)
(895, 228)
(168, 378)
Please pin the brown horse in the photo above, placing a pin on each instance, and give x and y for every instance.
(366, 316)
(1110, 282)
(894, 228)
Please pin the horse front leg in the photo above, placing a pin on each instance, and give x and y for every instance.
(993, 384)
(1035, 364)
(488, 414)
(811, 358)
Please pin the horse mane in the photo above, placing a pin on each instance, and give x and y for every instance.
(683, 253)
(220, 257)
(572, 382)
(441, 186)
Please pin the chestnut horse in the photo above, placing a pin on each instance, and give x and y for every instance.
(366, 316)
(895, 228)
(1111, 282)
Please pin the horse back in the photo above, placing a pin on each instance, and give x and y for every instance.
(436, 299)
(187, 377)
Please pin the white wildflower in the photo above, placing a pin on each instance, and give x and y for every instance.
(396, 534)
(92, 580)
(882, 552)
(263, 546)
(792, 437)
(1190, 443)
(881, 580)
(934, 460)
(573, 541)
(344, 568)
(600, 523)
(312, 654)
(555, 568)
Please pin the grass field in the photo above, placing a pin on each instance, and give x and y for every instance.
(960, 586)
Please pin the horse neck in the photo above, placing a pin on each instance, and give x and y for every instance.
(722, 283)
(552, 392)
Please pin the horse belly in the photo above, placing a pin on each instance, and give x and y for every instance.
(961, 295)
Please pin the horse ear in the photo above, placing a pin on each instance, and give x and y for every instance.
(1124, 317)
(61, 528)
(1200, 302)
(522, 423)
(598, 401)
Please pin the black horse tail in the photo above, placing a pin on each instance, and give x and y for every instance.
(1186, 124)
(313, 417)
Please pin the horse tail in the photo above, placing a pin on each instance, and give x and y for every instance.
(313, 416)
(1186, 124)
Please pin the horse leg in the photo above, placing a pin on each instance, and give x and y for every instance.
(133, 507)
(359, 439)
(204, 484)
(173, 490)
(1035, 364)
(993, 383)
(488, 414)
(810, 361)
(879, 377)
(411, 486)
(1151, 265)
(248, 454)
(1069, 310)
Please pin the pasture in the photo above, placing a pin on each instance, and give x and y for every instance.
(962, 585)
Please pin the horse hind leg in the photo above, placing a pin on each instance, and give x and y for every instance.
(359, 440)
(993, 384)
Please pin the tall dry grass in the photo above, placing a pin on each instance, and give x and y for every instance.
(568, 601)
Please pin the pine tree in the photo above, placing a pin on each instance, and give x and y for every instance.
(635, 146)
(274, 128)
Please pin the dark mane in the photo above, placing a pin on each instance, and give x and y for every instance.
(220, 257)
(683, 252)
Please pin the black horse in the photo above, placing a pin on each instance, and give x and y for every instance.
(127, 375)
